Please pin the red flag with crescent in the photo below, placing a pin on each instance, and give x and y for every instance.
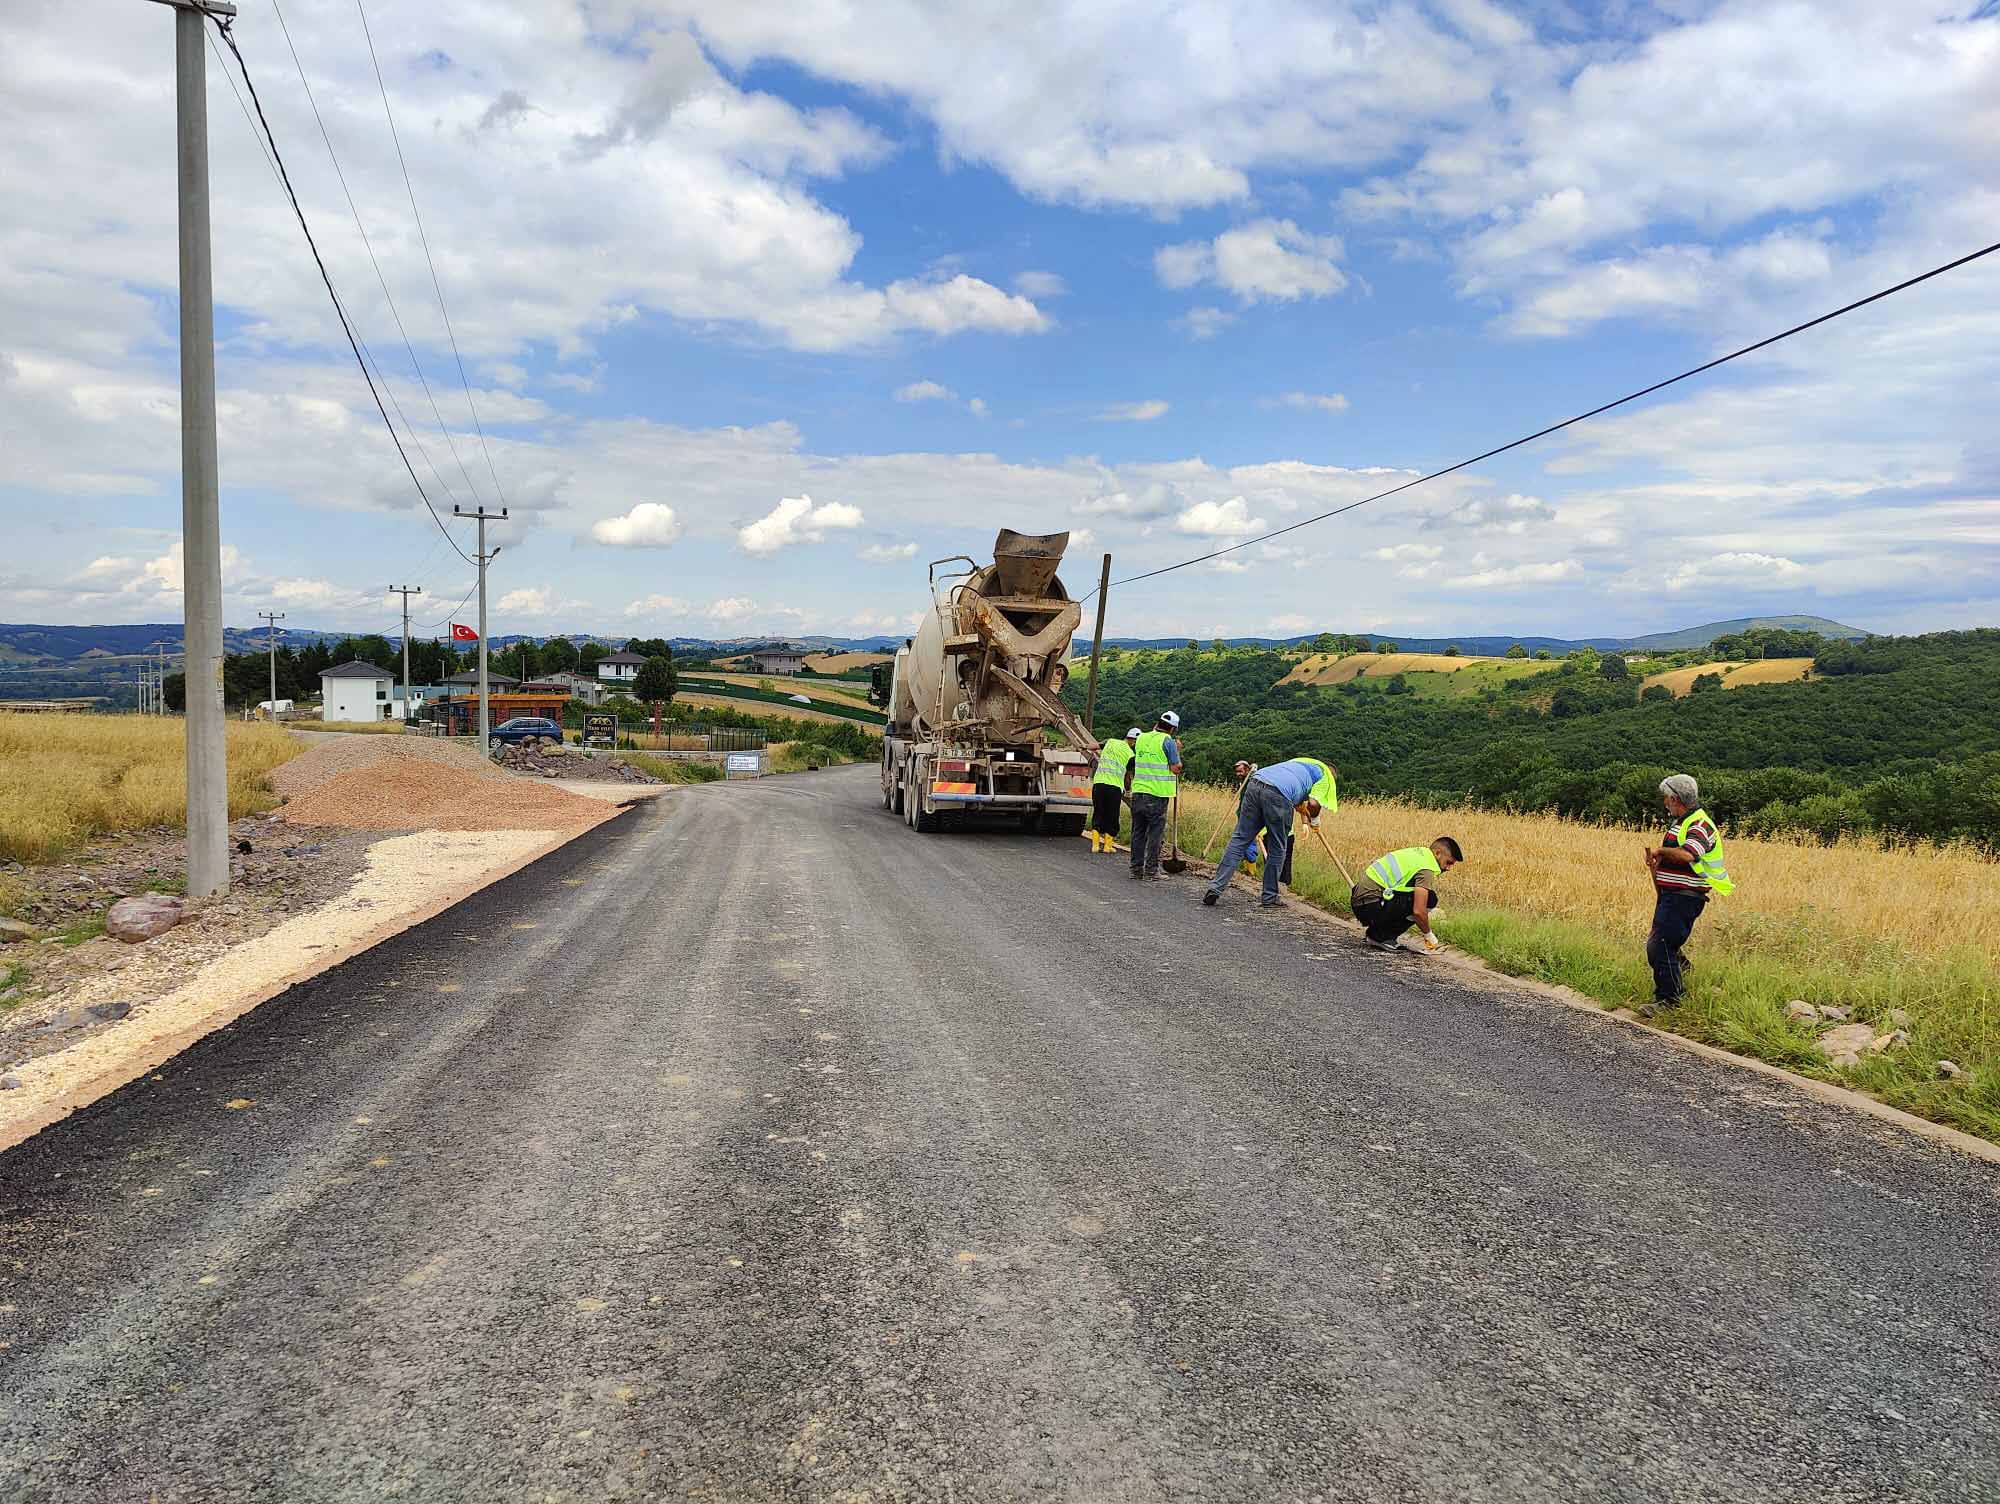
(463, 634)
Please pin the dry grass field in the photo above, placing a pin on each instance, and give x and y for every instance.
(1855, 925)
(819, 689)
(1734, 675)
(1325, 668)
(758, 707)
(840, 663)
(357, 728)
(65, 778)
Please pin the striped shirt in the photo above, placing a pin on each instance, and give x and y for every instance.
(1700, 841)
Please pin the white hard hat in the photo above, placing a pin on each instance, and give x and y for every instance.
(1168, 718)
(1135, 731)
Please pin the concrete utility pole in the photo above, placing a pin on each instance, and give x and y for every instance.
(201, 526)
(483, 558)
(406, 591)
(271, 620)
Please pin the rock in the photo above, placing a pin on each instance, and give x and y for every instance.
(1951, 1070)
(1897, 1018)
(1838, 1015)
(11, 1083)
(108, 1011)
(1843, 1045)
(10, 997)
(1894, 1040)
(1798, 1010)
(12, 930)
(143, 916)
(243, 847)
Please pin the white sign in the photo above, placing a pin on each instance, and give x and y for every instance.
(745, 762)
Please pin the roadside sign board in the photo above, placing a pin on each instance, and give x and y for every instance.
(744, 762)
(600, 727)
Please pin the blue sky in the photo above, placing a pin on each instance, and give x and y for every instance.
(764, 306)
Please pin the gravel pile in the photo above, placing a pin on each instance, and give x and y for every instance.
(547, 762)
(407, 783)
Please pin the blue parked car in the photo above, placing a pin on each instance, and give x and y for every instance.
(523, 728)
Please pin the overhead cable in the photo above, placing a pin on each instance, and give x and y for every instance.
(347, 328)
(424, 241)
(1542, 433)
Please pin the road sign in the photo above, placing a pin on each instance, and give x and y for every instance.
(598, 728)
(744, 762)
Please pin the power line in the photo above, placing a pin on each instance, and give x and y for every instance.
(424, 241)
(1542, 433)
(346, 327)
(394, 312)
(433, 626)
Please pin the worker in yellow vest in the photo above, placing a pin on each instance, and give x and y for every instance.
(1107, 790)
(1399, 890)
(1156, 771)
(1687, 867)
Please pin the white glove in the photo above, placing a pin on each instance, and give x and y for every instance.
(1432, 945)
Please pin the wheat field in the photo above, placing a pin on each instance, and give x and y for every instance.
(65, 778)
(1734, 675)
(1325, 668)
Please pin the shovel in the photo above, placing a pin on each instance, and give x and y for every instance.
(1227, 816)
(1332, 853)
(1175, 862)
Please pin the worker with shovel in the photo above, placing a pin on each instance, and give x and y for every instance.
(1156, 770)
(1270, 797)
(1396, 892)
(1107, 790)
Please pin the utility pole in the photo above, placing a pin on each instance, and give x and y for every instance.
(1096, 648)
(201, 525)
(483, 558)
(271, 620)
(406, 591)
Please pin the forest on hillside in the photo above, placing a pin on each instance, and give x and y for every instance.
(1892, 734)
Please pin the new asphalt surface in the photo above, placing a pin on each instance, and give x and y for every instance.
(756, 1147)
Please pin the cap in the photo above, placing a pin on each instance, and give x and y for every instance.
(1135, 731)
(1167, 717)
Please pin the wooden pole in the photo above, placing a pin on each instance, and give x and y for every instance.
(1096, 648)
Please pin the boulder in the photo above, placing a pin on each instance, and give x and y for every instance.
(1838, 1015)
(143, 916)
(12, 930)
(1897, 1018)
(1843, 1045)
(11, 1083)
(1893, 1040)
(1799, 1011)
(1951, 1070)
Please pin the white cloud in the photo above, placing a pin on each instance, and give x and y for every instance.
(1266, 260)
(1735, 569)
(1229, 566)
(1133, 412)
(1289, 626)
(796, 520)
(1204, 322)
(665, 607)
(650, 524)
(532, 601)
(1220, 519)
(1512, 514)
(924, 391)
(889, 553)
(976, 406)
(1040, 285)
(1508, 576)
(1330, 402)
(1399, 552)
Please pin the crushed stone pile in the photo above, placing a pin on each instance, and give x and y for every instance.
(548, 762)
(407, 783)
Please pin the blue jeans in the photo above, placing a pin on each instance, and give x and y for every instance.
(1674, 915)
(1264, 808)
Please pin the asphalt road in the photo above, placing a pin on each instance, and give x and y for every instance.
(756, 1147)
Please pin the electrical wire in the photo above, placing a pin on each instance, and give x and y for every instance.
(394, 312)
(424, 240)
(222, 25)
(433, 626)
(1542, 433)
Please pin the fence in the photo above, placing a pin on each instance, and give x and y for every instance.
(688, 736)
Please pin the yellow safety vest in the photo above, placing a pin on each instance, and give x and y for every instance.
(1397, 872)
(1151, 772)
(1326, 791)
(1112, 762)
(1709, 864)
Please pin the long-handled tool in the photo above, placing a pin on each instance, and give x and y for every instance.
(1227, 815)
(1176, 863)
(1334, 854)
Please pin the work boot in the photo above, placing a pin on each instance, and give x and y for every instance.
(1208, 898)
(1095, 847)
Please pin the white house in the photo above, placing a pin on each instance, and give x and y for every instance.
(619, 668)
(583, 690)
(778, 661)
(356, 691)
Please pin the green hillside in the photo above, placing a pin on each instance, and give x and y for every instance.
(1702, 636)
(1898, 734)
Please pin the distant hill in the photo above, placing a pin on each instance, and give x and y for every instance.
(1658, 642)
(1700, 637)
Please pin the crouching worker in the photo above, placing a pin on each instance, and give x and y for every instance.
(1397, 891)
(1107, 791)
(1270, 797)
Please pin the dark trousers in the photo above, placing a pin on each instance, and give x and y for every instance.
(1674, 915)
(1149, 827)
(1105, 798)
(1388, 917)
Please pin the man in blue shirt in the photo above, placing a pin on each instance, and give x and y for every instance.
(1304, 785)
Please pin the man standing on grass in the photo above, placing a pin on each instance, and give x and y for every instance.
(1107, 790)
(1686, 869)
(1396, 891)
(1270, 797)
(1156, 771)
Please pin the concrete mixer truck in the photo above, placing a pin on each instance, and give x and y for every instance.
(972, 697)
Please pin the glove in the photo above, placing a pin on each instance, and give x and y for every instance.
(1432, 945)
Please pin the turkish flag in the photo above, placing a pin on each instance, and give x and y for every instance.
(463, 634)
